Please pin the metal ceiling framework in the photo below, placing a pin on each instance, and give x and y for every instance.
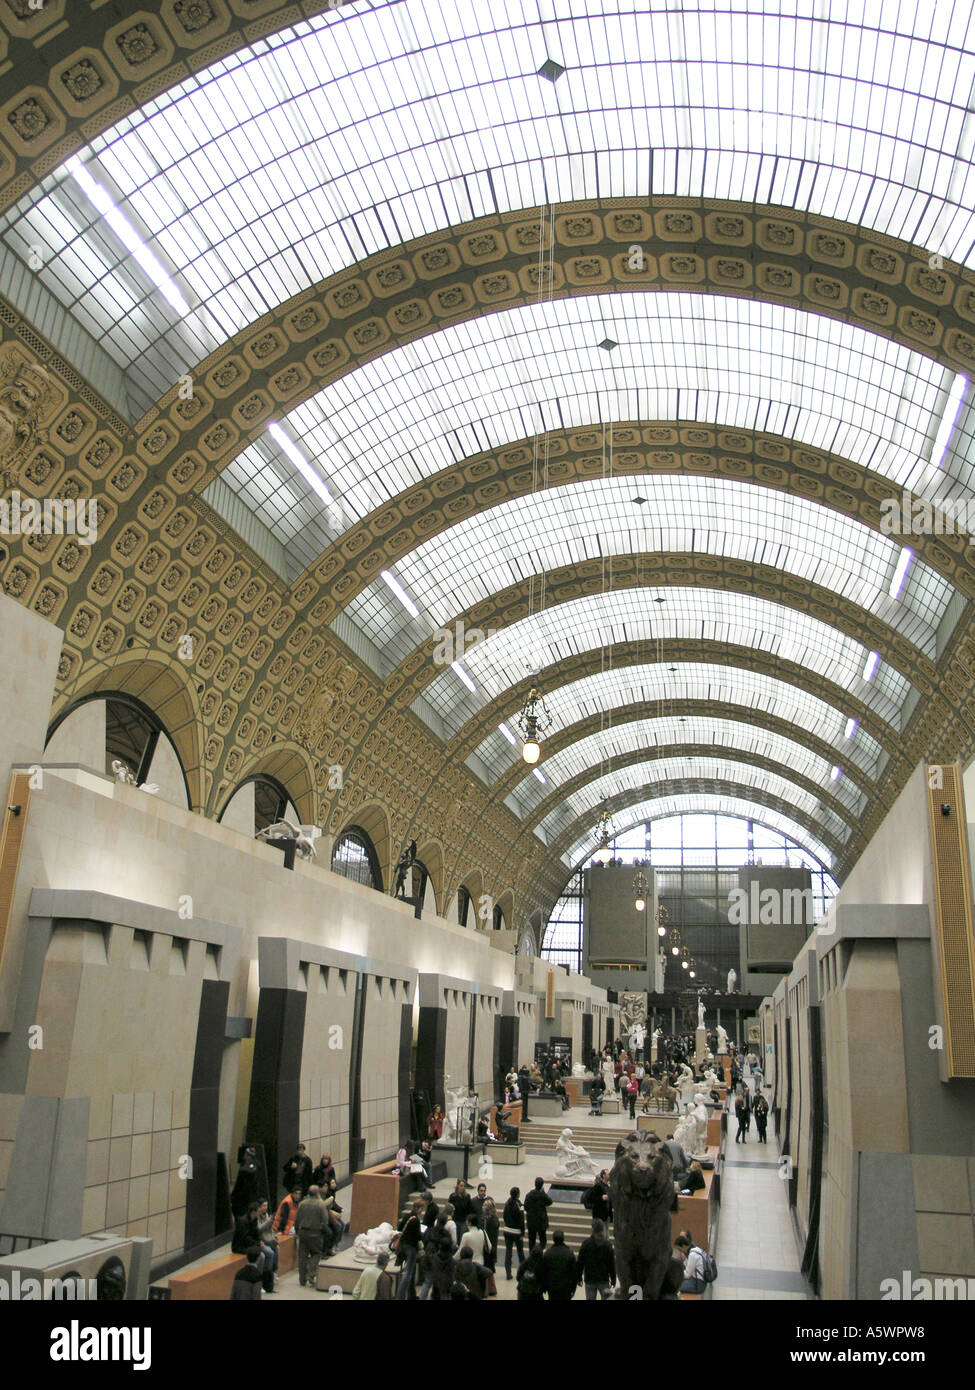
(697, 308)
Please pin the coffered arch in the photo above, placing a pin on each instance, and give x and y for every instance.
(622, 593)
(641, 450)
(556, 677)
(631, 807)
(595, 776)
(609, 734)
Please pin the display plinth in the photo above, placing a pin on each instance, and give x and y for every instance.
(700, 1045)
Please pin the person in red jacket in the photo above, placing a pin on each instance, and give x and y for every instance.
(284, 1219)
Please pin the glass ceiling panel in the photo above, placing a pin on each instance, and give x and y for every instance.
(598, 518)
(364, 127)
(500, 378)
(640, 811)
(655, 691)
(599, 751)
(633, 615)
(643, 776)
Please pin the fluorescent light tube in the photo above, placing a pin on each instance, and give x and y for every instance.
(900, 573)
(463, 677)
(128, 235)
(287, 446)
(400, 593)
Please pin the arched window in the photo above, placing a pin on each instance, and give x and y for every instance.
(353, 856)
(271, 800)
(133, 735)
(499, 923)
(465, 908)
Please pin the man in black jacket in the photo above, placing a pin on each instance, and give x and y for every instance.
(597, 1200)
(559, 1275)
(297, 1171)
(537, 1204)
(596, 1264)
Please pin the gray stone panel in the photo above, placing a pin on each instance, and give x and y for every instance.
(886, 1229)
(941, 1114)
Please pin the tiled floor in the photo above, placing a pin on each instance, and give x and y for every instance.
(757, 1254)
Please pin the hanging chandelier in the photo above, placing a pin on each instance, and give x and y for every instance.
(605, 833)
(533, 721)
(662, 919)
(641, 889)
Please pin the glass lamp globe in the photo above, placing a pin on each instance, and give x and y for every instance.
(531, 751)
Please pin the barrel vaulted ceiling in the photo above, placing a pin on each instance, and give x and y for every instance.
(602, 328)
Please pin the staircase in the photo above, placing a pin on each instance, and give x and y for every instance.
(541, 1137)
(573, 1219)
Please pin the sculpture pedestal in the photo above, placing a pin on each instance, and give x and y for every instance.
(700, 1044)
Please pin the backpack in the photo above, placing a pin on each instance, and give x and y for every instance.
(710, 1266)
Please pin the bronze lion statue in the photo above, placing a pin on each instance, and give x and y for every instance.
(642, 1187)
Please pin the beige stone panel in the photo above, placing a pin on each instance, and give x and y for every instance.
(166, 773)
(159, 1152)
(946, 1243)
(117, 1208)
(158, 1193)
(178, 1145)
(10, 1107)
(142, 1112)
(181, 1107)
(156, 1229)
(177, 1189)
(239, 812)
(81, 738)
(100, 1117)
(137, 1228)
(162, 1110)
(140, 1154)
(96, 1169)
(93, 1209)
(122, 1103)
(138, 1198)
(941, 1183)
(175, 1230)
(878, 1086)
(120, 1158)
(6, 1154)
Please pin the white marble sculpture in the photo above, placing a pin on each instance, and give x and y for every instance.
(637, 1035)
(578, 1069)
(722, 1041)
(659, 972)
(711, 1077)
(455, 1097)
(657, 1035)
(685, 1085)
(609, 1075)
(123, 774)
(307, 836)
(732, 980)
(685, 1133)
(368, 1246)
(697, 1116)
(700, 1012)
(572, 1160)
